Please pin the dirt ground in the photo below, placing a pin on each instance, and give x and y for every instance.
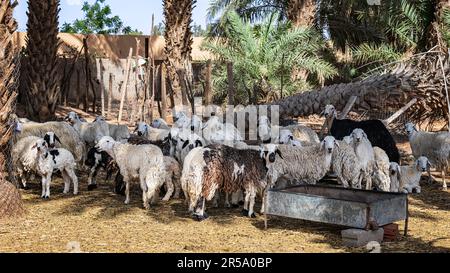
(100, 222)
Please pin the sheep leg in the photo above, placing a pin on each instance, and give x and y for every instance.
(235, 198)
(444, 184)
(74, 179)
(47, 186)
(44, 181)
(227, 202)
(216, 199)
(127, 192)
(251, 214)
(66, 179)
(92, 183)
(176, 195)
(200, 209)
(246, 203)
(170, 188)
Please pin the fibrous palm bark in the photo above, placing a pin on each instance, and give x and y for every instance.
(10, 200)
(178, 47)
(42, 46)
(390, 90)
(301, 12)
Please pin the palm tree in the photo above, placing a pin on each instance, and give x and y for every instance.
(178, 47)
(42, 46)
(264, 57)
(420, 78)
(10, 200)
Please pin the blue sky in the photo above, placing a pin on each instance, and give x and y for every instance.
(134, 13)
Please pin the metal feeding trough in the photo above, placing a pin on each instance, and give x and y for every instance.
(339, 206)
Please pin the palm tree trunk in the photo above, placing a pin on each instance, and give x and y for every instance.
(301, 12)
(392, 90)
(10, 200)
(178, 47)
(42, 46)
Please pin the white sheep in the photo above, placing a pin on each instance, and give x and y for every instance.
(153, 134)
(52, 160)
(364, 151)
(160, 123)
(142, 162)
(214, 131)
(301, 164)
(345, 164)
(183, 121)
(68, 137)
(434, 145)
(406, 179)
(287, 137)
(381, 179)
(118, 132)
(269, 133)
(89, 132)
(172, 178)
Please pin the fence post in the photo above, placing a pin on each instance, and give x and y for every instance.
(163, 92)
(124, 90)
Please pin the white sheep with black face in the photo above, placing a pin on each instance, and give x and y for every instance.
(137, 162)
(53, 160)
(364, 151)
(406, 179)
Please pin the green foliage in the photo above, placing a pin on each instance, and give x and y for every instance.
(371, 53)
(446, 26)
(98, 19)
(266, 56)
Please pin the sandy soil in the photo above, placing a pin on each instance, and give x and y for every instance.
(100, 222)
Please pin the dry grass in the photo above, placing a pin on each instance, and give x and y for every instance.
(102, 223)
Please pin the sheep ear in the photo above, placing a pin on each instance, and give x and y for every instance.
(186, 142)
(322, 113)
(198, 143)
(428, 164)
(336, 143)
(279, 153)
(57, 139)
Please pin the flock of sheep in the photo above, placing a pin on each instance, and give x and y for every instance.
(202, 159)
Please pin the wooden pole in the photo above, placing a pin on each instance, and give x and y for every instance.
(124, 88)
(347, 107)
(230, 83)
(100, 78)
(399, 112)
(163, 92)
(110, 93)
(208, 83)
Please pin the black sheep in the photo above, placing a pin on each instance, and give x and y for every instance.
(376, 132)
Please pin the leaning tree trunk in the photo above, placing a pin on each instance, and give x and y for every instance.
(422, 80)
(178, 47)
(43, 92)
(10, 200)
(301, 12)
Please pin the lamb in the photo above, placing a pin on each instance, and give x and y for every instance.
(302, 164)
(345, 164)
(220, 167)
(376, 131)
(160, 123)
(187, 141)
(406, 179)
(143, 162)
(89, 132)
(364, 151)
(50, 161)
(153, 134)
(118, 132)
(68, 138)
(25, 158)
(287, 137)
(380, 176)
(434, 145)
(96, 160)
